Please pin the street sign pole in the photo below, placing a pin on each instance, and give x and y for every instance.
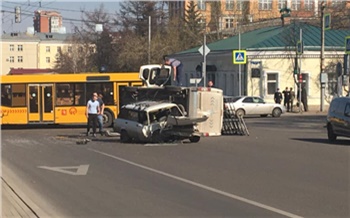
(239, 66)
(204, 70)
(299, 71)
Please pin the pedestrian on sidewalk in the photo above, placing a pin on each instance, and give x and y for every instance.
(92, 110)
(292, 97)
(100, 114)
(286, 96)
(278, 96)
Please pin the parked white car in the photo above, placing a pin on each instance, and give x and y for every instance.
(150, 121)
(253, 105)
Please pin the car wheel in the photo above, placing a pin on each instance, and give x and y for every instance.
(157, 137)
(195, 139)
(240, 113)
(331, 136)
(276, 112)
(124, 137)
(107, 119)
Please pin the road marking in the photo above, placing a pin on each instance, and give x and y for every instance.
(208, 188)
(159, 144)
(80, 170)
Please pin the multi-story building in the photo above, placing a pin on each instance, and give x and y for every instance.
(47, 21)
(240, 12)
(31, 51)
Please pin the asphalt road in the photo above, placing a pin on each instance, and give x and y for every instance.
(285, 168)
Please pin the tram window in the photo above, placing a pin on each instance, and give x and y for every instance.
(5, 95)
(105, 88)
(64, 94)
(18, 95)
(79, 96)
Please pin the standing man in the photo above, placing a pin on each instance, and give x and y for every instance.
(292, 97)
(92, 110)
(177, 69)
(100, 114)
(286, 95)
(278, 96)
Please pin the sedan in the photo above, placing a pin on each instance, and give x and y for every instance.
(252, 105)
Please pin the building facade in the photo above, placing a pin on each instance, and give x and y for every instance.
(242, 12)
(47, 21)
(270, 62)
(31, 51)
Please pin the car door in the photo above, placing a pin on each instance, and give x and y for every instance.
(344, 128)
(261, 107)
(248, 105)
(155, 75)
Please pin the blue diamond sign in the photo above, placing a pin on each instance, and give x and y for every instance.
(239, 57)
(347, 45)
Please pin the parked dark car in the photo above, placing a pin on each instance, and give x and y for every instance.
(338, 118)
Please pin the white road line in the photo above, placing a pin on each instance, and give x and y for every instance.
(160, 144)
(236, 197)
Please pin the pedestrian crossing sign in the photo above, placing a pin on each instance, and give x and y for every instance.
(239, 57)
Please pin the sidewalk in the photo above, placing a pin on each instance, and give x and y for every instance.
(12, 205)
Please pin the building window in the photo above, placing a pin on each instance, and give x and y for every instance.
(47, 48)
(12, 59)
(12, 47)
(47, 59)
(229, 23)
(20, 48)
(20, 59)
(281, 4)
(229, 5)
(336, 3)
(272, 83)
(59, 49)
(308, 5)
(201, 4)
(295, 4)
(265, 4)
(240, 5)
(69, 48)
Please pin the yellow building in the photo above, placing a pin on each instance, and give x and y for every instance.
(31, 51)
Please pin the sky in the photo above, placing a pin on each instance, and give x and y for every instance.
(70, 11)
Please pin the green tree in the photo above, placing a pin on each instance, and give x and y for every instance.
(192, 34)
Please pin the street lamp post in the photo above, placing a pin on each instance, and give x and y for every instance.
(149, 39)
(322, 56)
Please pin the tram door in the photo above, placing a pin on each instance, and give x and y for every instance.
(40, 103)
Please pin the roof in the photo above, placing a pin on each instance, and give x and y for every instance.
(35, 37)
(278, 38)
(20, 71)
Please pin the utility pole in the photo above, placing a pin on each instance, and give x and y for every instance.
(204, 69)
(149, 39)
(239, 66)
(322, 56)
(299, 70)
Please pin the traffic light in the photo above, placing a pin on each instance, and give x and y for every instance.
(296, 66)
(300, 47)
(17, 14)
